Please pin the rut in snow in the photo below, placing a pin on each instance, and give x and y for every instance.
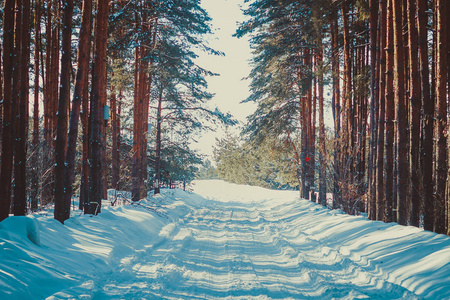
(222, 242)
(243, 251)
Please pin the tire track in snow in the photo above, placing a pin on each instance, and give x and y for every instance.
(240, 251)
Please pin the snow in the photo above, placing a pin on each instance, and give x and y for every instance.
(223, 241)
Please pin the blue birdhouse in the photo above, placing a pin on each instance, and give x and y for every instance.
(106, 113)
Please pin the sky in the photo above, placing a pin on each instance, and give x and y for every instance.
(229, 88)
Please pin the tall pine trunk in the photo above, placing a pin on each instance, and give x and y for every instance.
(35, 156)
(20, 186)
(374, 5)
(8, 120)
(401, 114)
(416, 107)
(390, 113)
(62, 207)
(380, 199)
(448, 97)
(428, 118)
(83, 59)
(137, 126)
(158, 144)
(96, 112)
(50, 100)
(115, 165)
(346, 163)
(322, 148)
(441, 118)
(336, 106)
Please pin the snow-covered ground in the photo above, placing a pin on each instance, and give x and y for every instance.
(222, 242)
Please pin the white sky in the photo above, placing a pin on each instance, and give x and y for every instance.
(229, 88)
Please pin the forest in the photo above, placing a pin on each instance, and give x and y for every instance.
(107, 94)
(384, 66)
(87, 87)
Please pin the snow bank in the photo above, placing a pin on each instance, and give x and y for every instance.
(21, 227)
(39, 256)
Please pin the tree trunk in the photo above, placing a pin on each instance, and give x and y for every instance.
(115, 164)
(416, 107)
(85, 122)
(1, 96)
(137, 127)
(401, 115)
(347, 165)
(50, 100)
(83, 59)
(35, 174)
(8, 120)
(448, 97)
(158, 144)
(336, 106)
(428, 118)
(390, 113)
(382, 113)
(441, 118)
(374, 5)
(62, 206)
(309, 129)
(322, 148)
(96, 112)
(20, 186)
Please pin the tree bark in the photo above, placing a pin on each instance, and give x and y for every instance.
(390, 113)
(441, 118)
(448, 97)
(347, 114)
(158, 144)
(8, 120)
(20, 186)
(62, 206)
(35, 174)
(336, 106)
(416, 107)
(83, 59)
(322, 148)
(401, 115)
(374, 5)
(50, 100)
(382, 113)
(137, 127)
(428, 118)
(96, 112)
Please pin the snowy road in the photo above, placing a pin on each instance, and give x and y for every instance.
(231, 243)
(240, 250)
(244, 252)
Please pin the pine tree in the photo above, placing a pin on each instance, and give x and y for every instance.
(428, 118)
(441, 118)
(401, 113)
(79, 97)
(23, 58)
(380, 164)
(36, 148)
(416, 107)
(8, 120)
(96, 110)
(62, 207)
